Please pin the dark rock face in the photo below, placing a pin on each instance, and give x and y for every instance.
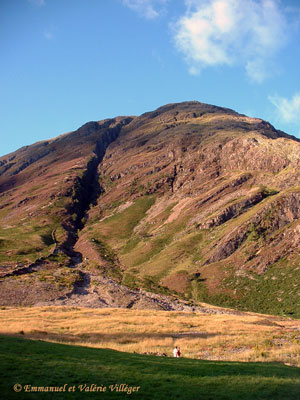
(86, 188)
(233, 211)
(274, 216)
(190, 190)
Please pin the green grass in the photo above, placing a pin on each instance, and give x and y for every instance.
(105, 251)
(131, 244)
(143, 251)
(27, 240)
(274, 292)
(121, 225)
(42, 364)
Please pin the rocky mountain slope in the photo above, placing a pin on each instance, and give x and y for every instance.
(192, 201)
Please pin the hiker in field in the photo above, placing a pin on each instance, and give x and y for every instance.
(178, 352)
(175, 352)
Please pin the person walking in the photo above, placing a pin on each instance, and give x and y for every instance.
(175, 352)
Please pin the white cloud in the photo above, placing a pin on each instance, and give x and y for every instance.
(288, 109)
(231, 32)
(257, 70)
(38, 3)
(149, 9)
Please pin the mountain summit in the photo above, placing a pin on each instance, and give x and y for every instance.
(190, 202)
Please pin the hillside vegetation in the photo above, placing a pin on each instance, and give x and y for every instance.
(192, 201)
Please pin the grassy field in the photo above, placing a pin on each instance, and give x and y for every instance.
(31, 366)
(246, 337)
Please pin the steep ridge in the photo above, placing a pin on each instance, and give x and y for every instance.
(192, 201)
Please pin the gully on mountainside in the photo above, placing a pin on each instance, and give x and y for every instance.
(86, 191)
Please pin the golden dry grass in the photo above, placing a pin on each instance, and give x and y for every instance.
(245, 337)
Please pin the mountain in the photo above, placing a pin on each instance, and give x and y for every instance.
(191, 201)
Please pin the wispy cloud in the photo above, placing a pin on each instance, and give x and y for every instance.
(230, 32)
(48, 34)
(149, 9)
(157, 57)
(288, 110)
(38, 3)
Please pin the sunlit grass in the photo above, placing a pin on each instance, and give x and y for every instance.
(245, 337)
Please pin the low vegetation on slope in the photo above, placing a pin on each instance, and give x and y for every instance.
(29, 365)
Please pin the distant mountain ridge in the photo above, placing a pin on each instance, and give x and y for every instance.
(191, 200)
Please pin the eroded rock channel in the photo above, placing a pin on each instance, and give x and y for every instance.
(86, 189)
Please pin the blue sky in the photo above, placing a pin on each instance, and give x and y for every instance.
(66, 62)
